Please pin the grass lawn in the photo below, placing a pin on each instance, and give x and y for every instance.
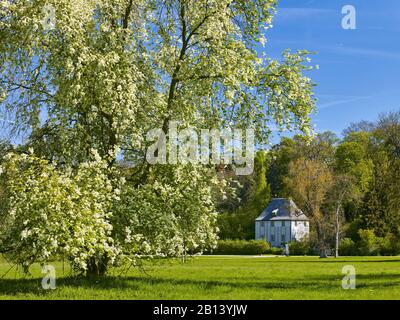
(230, 277)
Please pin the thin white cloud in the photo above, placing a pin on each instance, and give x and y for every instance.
(343, 101)
(301, 13)
(363, 52)
(341, 49)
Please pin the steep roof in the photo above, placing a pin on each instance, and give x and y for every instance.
(281, 209)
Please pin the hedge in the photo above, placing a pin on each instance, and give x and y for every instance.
(370, 245)
(243, 247)
(300, 248)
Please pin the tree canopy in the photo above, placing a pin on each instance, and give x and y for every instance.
(84, 81)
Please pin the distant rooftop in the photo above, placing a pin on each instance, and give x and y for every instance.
(282, 209)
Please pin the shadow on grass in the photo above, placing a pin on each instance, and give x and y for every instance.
(13, 287)
(34, 286)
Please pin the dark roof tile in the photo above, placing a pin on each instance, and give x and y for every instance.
(281, 209)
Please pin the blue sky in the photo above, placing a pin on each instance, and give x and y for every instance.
(359, 75)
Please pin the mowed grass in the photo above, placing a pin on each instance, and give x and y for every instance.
(230, 277)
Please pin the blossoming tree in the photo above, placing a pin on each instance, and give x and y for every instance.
(91, 77)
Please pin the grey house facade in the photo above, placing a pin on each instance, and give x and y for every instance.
(281, 222)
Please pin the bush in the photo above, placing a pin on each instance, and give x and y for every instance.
(348, 247)
(369, 244)
(389, 245)
(236, 247)
(352, 230)
(276, 251)
(299, 248)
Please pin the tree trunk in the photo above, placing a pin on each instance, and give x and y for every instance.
(97, 267)
(321, 241)
(337, 232)
(337, 222)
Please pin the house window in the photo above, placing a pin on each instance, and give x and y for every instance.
(295, 223)
(272, 224)
(283, 223)
(305, 223)
(262, 224)
(283, 235)
(272, 233)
